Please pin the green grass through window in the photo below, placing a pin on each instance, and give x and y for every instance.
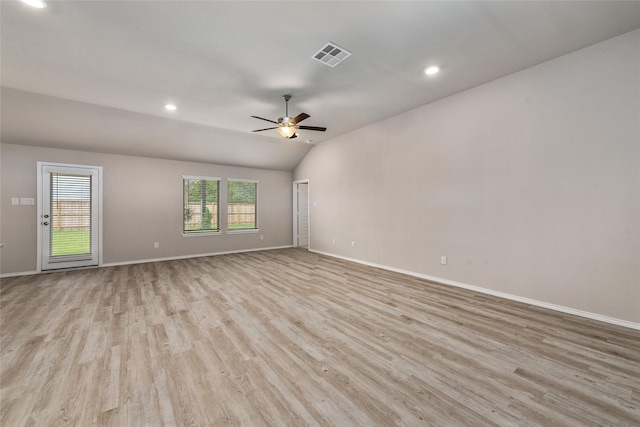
(70, 242)
(244, 226)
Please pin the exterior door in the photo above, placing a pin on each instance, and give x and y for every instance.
(69, 216)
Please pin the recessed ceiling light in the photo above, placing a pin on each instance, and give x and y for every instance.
(432, 70)
(39, 4)
(170, 107)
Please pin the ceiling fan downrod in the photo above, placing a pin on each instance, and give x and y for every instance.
(286, 105)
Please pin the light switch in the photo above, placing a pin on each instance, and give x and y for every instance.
(27, 201)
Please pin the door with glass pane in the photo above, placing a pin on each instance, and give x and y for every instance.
(69, 217)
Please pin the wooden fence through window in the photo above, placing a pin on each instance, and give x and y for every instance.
(195, 209)
(76, 214)
(241, 213)
(71, 215)
(237, 214)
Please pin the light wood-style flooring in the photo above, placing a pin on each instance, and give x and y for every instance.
(291, 338)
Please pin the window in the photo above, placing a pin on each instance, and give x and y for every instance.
(200, 213)
(242, 205)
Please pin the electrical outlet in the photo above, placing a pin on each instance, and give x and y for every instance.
(156, 245)
(443, 260)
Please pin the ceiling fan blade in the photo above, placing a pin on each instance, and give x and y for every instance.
(262, 118)
(260, 130)
(300, 117)
(318, 128)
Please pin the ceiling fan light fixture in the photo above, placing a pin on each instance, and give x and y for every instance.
(287, 131)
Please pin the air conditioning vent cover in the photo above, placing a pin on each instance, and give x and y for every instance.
(331, 54)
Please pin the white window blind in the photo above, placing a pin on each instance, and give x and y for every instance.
(70, 215)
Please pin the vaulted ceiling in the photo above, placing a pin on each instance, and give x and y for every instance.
(95, 75)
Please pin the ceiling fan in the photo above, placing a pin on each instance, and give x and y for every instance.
(287, 126)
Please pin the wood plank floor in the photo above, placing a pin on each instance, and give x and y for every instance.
(287, 337)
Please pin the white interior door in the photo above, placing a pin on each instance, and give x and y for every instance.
(302, 214)
(69, 216)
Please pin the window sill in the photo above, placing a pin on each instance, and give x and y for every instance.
(244, 231)
(203, 234)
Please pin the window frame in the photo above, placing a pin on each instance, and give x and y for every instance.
(257, 210)
(201, 233)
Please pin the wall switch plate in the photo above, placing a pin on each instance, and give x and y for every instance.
(15, 201)
(156, 245)
(334, 241)
(261, 237)
(443, 260)
(27, 201)
(353, 244)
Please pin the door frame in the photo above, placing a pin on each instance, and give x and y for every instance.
(40, 167)
(295, 212)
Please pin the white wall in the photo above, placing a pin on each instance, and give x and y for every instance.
(142, 204)
(529, 184)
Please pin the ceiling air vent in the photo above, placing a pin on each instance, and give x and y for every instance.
(331, 54)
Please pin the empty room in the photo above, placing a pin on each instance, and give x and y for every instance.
(319, 213)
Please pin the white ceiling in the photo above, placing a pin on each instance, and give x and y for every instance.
(94, 75)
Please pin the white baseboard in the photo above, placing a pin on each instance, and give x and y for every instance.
(568, 310)
(142, 261)
(19, 273)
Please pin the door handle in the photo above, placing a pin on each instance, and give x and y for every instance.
(45, 223)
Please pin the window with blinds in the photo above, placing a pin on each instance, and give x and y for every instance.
(242, 205)
(201, 212)
(70, 215)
